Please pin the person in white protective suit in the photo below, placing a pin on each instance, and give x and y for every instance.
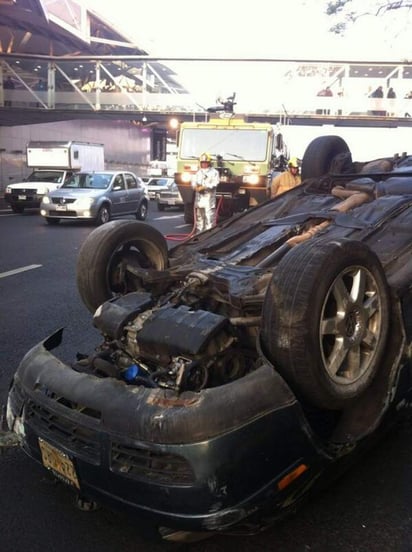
(204, 183)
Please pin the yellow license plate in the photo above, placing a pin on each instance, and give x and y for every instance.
(58, 462)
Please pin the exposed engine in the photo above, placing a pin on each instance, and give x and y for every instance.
(170, 345)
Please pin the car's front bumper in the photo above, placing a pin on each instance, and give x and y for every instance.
(198, 461)
(27, 200)
(69, 211)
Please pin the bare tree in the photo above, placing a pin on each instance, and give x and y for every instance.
(347, 12)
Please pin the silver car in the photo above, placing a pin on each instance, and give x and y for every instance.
(169, 198)
(157, 184)
(97, 196)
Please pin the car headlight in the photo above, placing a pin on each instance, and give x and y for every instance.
(186, 177)
(84, 202)
(251, 179)
(8, 190)
(46, 200)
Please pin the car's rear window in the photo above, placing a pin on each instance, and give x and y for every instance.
(158, 182)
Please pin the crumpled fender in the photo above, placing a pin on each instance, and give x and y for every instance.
(153, 415)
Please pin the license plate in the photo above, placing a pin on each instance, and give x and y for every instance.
(22, 197)
(59, 463)
(61, 208)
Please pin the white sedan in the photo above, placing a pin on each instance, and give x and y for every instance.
(169, 198)
(157, 184)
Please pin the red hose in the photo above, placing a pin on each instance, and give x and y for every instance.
(181, 237)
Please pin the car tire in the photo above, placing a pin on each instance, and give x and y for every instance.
(188, 215)
(160, 207)
(52, 221)
(101, 266)
(142, 210)
(103, 215)
(17, 209)
(325, 320)
(319, 155)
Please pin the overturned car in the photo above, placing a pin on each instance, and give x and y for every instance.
(243, 366)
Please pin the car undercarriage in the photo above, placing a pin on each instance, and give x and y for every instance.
(238, 366)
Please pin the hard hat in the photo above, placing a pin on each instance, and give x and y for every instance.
(293, 162)
(205, 158)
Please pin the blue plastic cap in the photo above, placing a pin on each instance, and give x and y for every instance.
(131, 372)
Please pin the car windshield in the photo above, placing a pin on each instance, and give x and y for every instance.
(241, 143)
(46, 176)
(99, 181)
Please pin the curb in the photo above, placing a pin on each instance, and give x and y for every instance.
(3, 205)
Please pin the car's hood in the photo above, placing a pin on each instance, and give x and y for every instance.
(30, 184)
(76, 192)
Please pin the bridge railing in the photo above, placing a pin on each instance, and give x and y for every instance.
(135, 103)
(140, 84)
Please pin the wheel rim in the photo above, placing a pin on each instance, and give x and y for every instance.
(143, 211)
(129, 256)
(104, 215)
(350, 325)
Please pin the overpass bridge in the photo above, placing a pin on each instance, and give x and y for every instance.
(66, 61)
(146, 90)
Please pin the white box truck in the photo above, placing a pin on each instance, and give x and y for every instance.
(52, 164)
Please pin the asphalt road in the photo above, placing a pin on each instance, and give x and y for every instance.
(369, 509)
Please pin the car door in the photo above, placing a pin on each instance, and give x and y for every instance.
(119, 195)
(134, 192)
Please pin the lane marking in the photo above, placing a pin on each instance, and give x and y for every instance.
(167, 217)
(18, 270)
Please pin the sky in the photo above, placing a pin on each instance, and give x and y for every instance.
(260, 28)
(274, 29)
(222, 28)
